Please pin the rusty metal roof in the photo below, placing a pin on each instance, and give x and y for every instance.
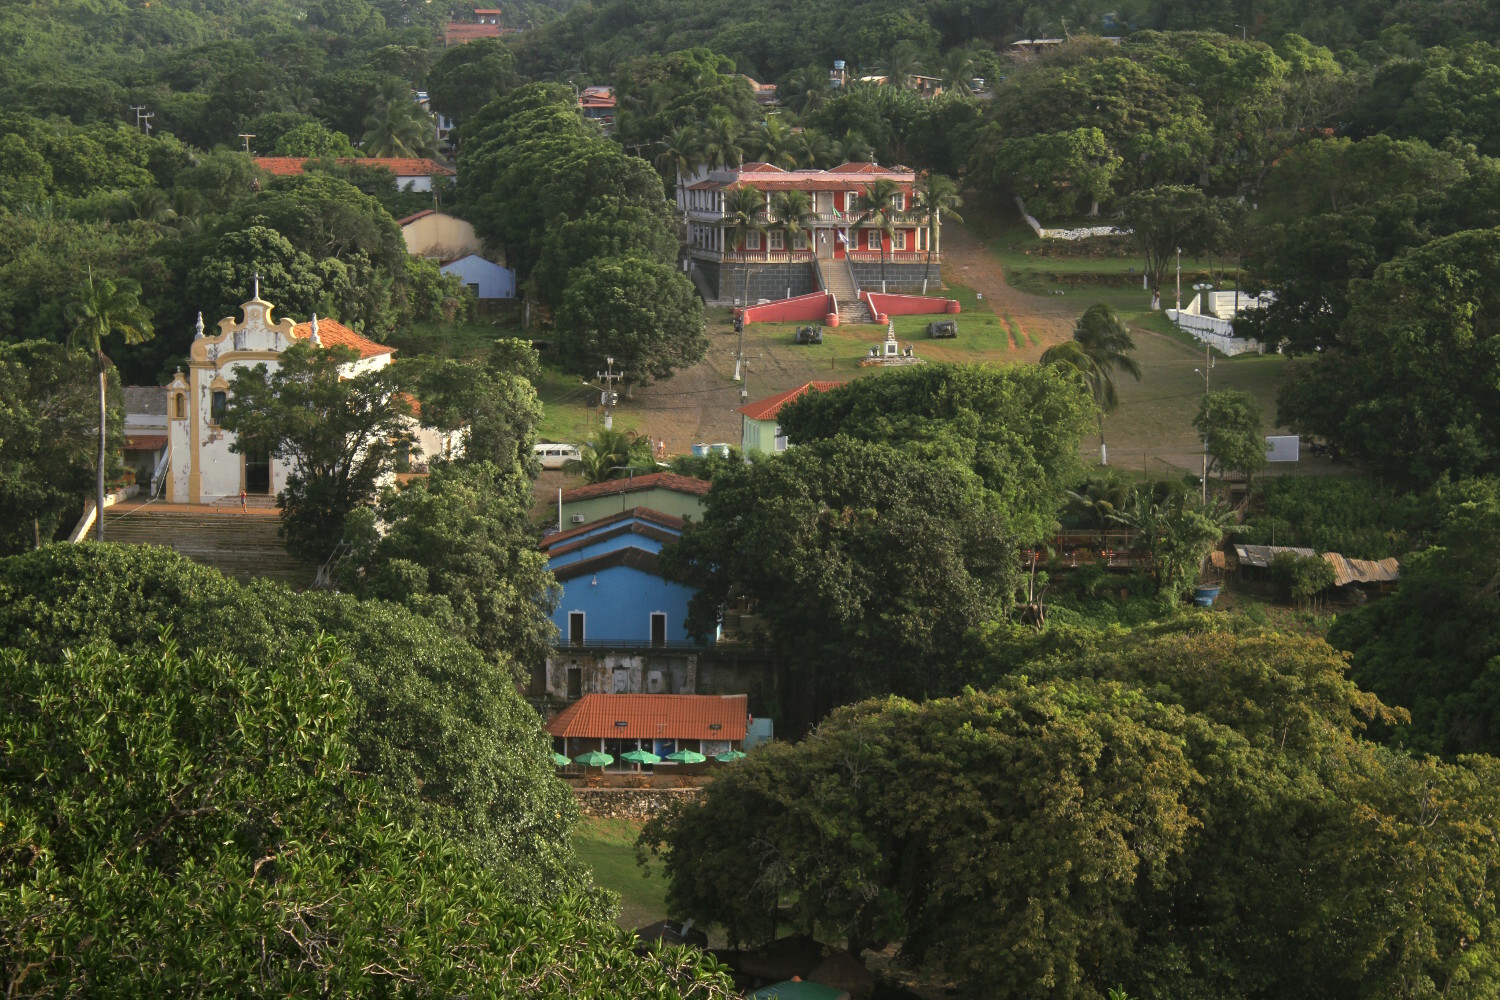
(1347, 571)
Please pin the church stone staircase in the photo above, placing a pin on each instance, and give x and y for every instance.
(838, 278)
(241, 545)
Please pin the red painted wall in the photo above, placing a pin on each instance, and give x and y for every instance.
(908, 305)
(813, 308)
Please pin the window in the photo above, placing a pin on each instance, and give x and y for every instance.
(898, 240)
(799, 241)
(575, 627)
(898, 202)
(776, 240)
(780, 439)
(851, 199)
(752, 241)
(924, 239)
(180, 402)
(658, 628)
(474, 287)
(219, 402)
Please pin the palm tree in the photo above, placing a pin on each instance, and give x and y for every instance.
(394, 130)
(102, 308)
(956, 70)
(1101, 344)
(936, 194)
(746, 211)
(878, 205)
(609, 454)
(721, 142)
(772, 141)
(793, 211)
(681, 152)
(904, 59)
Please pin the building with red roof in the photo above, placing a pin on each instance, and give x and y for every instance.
(760, 430)
(837, 239)
(201, 464)
(679, 496)
(658, 723)
(413, 173)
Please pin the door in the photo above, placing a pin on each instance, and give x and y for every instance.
(658, 628)
(824, 239)
(575, 627)
(257, 470)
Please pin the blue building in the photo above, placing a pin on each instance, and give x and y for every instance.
(486, 279)
(621, 624)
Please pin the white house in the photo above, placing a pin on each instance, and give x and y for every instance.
(485, 278)
(200, 465)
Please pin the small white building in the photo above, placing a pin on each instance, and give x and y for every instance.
(200, 467)
(485, 278)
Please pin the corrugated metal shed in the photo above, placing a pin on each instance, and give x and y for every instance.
(1260, 556)
(1347, 571)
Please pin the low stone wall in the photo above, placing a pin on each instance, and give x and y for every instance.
(630, 803)
(900, 277)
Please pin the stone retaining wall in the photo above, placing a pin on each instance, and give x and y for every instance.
(629, 803)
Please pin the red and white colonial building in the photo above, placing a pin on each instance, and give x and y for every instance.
(834, 244)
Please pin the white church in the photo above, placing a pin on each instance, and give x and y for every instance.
(181, 443)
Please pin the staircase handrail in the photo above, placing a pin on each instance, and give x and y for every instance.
(325, 575)
(159, 476)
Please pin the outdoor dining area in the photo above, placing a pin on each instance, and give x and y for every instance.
(648, 740)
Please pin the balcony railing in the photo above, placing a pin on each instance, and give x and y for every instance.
(677, 645)
(892, 256)
(752, 256)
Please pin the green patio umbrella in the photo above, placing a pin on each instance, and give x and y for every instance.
(594, 758)
(560, 759)
(687, 757)
(729, 756)
(641, 757)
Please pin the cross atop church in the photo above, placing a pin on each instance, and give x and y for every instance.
(257, 286)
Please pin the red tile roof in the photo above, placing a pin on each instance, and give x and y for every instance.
(652, 481)
(766, 409)
(417, 215)
(332, 333)
(654, 716)
(633, 514)
(459, 32)
(401, 166)
(145, 442)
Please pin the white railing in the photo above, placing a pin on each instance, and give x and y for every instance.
(1219, 333)
(159, 476)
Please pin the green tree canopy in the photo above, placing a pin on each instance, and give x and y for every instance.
(468, 77)
(340, 433)
(227, 845)
(868, 567)
(1411, 388)
(1017, 426)
(1233, 430)
(436, 725)
(643, 313)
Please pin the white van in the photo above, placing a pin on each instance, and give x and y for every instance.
(555, 456)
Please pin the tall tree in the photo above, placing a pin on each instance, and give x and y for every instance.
(102, 308)
(643, 313)
(792, 211)
(340, 433)
(876, 207)
(399, 128)
(936, 194)
(1101, 344)
(745, 210)
(1233, 431)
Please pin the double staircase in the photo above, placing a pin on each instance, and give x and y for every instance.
(241, 545)
(838, 278)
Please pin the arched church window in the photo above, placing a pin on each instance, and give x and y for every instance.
(219, 402)
(180, 406)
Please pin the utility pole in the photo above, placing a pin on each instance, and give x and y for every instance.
(247, 136)
(609, 397)
(146, 117)
(137, 108)
(1208, 365)
(1179, 283)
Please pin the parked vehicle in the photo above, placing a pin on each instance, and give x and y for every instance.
(555, 456)
(943, 328)
(809, 334)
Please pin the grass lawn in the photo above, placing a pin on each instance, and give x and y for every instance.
(568, 410)
(607, 846)
(456, 340)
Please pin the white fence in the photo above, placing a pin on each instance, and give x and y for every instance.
(1067, 234)
(1217, 332)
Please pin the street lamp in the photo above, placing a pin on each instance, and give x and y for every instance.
(1204, 480)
